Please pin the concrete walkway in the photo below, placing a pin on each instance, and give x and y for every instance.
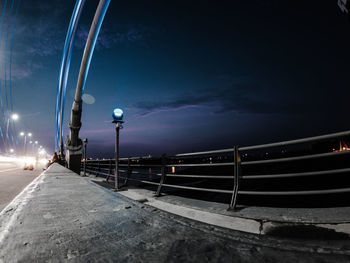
(62, 217)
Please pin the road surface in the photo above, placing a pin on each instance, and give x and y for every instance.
(13, 179)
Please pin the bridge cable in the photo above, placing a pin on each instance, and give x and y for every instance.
(10, 69)
(5, 68)
(1, 102)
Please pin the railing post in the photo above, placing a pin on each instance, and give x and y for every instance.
(163, 172)
(128, 173)
(84, 167)
(98, 168)
(109, 170)
(236, 178)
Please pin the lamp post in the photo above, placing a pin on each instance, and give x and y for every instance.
(73, 142)
(118, 115)
(13, 117)
(25, 140)
(85, 145)
(31, 142)
(35, 146)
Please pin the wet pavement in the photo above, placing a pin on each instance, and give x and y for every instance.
(62, 217)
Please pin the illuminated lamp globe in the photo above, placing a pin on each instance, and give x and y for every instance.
(14, 116)
(118, 115)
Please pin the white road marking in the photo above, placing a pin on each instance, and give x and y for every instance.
(10, 170)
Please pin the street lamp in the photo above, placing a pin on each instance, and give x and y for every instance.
(73, 142)
(85, 145)
(13, 117)
(117, 115)
(25, 140)
(35, 145)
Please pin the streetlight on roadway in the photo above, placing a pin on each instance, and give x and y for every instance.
(25, 139)
(35, 145)
(13, 117)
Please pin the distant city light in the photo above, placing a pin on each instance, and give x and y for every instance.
(36, 142)
(118, 114)
(12, 150)
(29, 134)
(22, 134)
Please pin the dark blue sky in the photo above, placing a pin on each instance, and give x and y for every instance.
(190, 75)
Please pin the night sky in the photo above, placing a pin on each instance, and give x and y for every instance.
(190, 75)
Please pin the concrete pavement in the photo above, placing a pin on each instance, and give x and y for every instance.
(62, 217)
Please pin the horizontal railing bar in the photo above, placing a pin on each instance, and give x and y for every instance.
(309, 192)
(91, 170)
(297, 141)
(184, 187)
(145, 165)
(98, 161)
(267, 176)
(98, 172)
(200, 176)
(198, 189)
(202, 153)
(199, 164)
(142, 181)
(296, 158)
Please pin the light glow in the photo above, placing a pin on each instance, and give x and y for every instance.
(117, 114)
(14, 117)
(44, 161)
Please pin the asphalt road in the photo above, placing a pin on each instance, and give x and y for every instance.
(13, 179)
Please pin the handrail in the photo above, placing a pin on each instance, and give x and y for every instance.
(270, 176)
(199, 164)
(201, 176)
(297, 141)
(203, 153)
(309, 192)
(296, 158)
(231, 160)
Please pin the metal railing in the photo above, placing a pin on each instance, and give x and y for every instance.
(229, 165)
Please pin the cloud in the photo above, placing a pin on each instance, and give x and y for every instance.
(116, 35)
(240, 98)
